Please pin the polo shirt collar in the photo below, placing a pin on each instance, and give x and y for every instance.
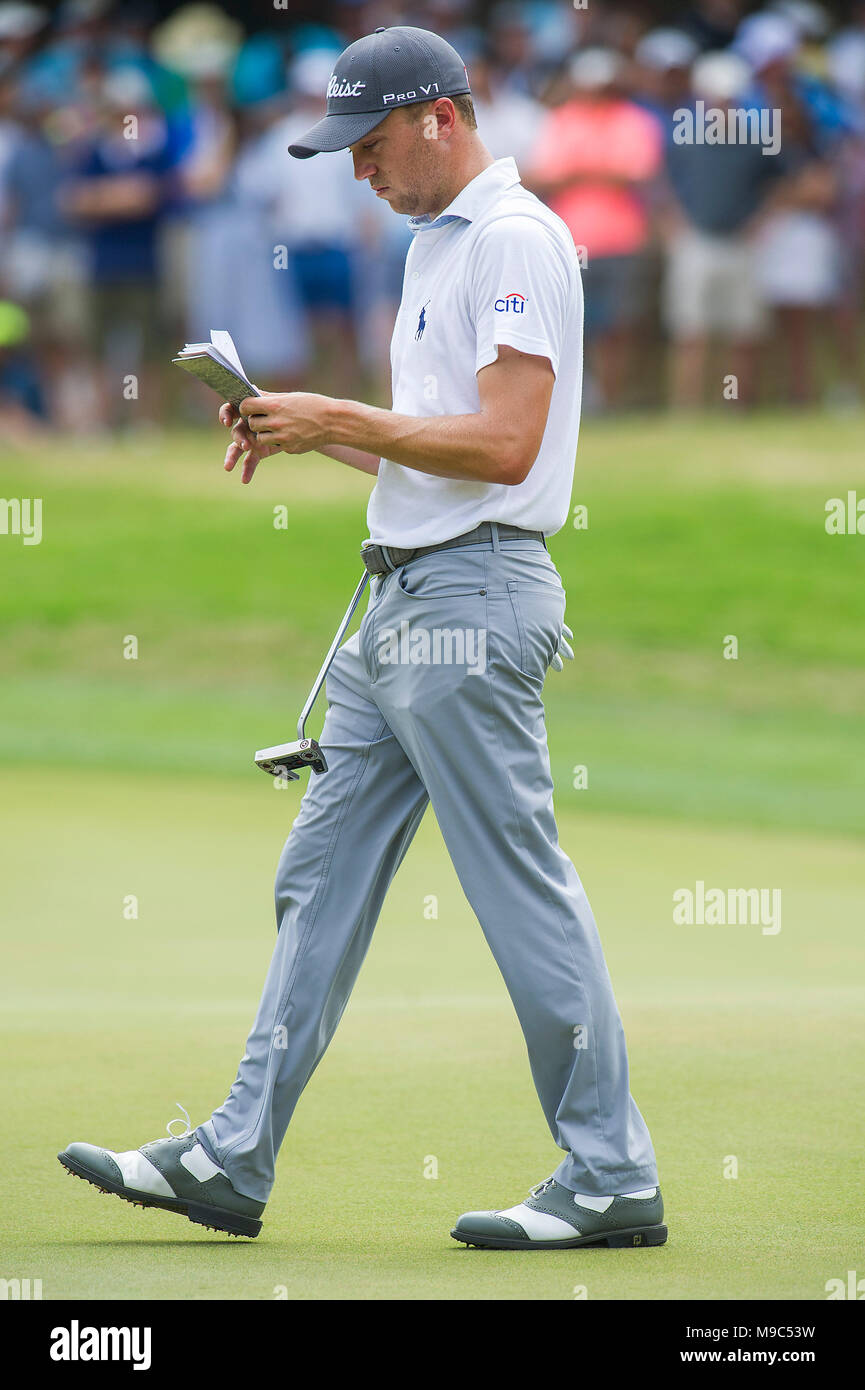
(475, 198)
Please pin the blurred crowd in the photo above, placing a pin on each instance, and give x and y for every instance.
(146, 196)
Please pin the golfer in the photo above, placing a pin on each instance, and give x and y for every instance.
(438, 697)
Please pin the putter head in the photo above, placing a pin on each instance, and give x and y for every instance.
(280, 760)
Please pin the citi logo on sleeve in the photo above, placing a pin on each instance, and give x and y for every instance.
(511, 304)
(337, 87)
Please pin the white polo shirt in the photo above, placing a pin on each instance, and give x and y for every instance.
(497, 266)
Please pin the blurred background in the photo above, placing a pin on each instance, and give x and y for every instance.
(146, 196)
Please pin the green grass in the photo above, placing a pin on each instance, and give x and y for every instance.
(696, 531)
(134, 777)
(741, 1044)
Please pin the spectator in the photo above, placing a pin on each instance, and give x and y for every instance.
(712, 23)
(42, 267)
(595, 156)
(52, 72)
(203, 167)
(231, 279)
(9, 136)
(512, 47)
(118, 200)
(21, 27)
(799, 250)
(22, 399)
(845, 56)
(449, 18)
(509, 121)
(319, 214)
(846, 61)
(718, 192)
(200, 221)
(661, 79)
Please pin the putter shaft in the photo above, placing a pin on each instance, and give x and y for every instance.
(334, 646)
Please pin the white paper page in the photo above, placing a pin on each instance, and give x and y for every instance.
(224, 344)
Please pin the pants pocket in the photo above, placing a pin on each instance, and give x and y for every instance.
(539, 611)
(438, 577)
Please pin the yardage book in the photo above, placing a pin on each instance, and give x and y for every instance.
(217, 364)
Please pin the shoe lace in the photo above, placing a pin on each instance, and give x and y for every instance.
(542, 1187)
(178, 1121)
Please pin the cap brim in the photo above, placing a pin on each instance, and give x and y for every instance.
(336, 132)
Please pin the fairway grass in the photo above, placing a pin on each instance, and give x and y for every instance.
(698, 531)
(126, 779)
(746, 1049)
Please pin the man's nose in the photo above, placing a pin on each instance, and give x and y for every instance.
(363, 167)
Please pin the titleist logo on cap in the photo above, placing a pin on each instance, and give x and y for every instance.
(337, 87)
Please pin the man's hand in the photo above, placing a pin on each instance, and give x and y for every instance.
(564, 649)
(242, 442)
(295, 422)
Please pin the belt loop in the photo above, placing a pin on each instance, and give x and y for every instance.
(494, 535)
(385, 555)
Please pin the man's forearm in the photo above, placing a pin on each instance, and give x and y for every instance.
(497, 444)
(447, 446)
(355, 458)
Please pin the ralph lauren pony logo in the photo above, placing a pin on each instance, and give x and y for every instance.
(421, 323)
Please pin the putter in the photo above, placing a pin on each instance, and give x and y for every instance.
(281, 760)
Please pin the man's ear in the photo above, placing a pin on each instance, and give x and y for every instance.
(440, 121)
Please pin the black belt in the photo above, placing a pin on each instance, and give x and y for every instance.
(382, 559)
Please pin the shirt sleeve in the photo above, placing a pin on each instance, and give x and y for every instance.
(519, 290)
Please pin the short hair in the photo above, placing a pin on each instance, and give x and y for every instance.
(466, 108)
(463, 103)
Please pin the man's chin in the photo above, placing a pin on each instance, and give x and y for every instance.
(406, 207)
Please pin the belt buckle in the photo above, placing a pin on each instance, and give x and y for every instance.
(381, 556)
(370, 551)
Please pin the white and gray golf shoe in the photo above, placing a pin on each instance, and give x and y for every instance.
(174, 1174)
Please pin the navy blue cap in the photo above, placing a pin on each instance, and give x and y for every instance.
(393, 67)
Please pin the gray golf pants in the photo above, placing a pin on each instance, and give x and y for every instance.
(437, 699)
